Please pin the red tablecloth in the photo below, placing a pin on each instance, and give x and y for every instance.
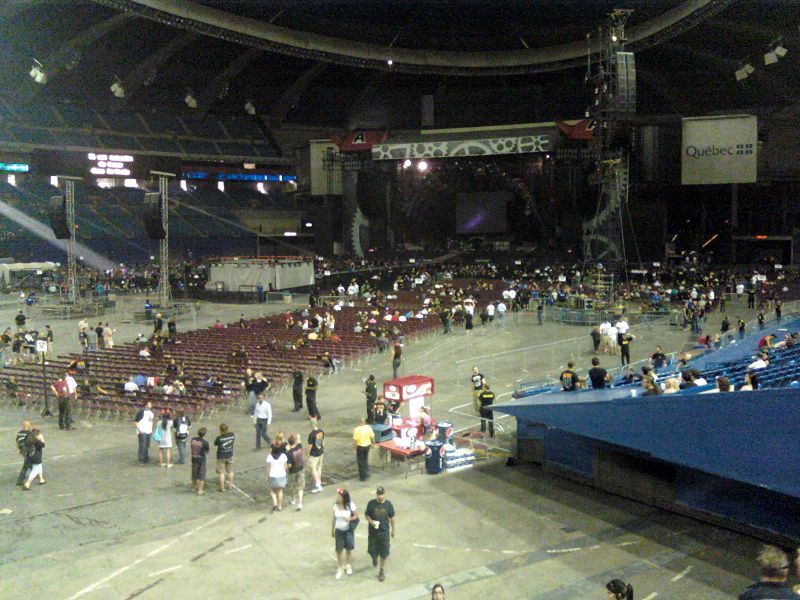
(398, 451)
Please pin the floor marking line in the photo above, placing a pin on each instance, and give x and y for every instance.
(682, 574)
(121, 570)
(164, 571)
(650, 597)
(239, 549)
(243, 493)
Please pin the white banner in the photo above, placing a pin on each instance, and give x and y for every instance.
(719, 150)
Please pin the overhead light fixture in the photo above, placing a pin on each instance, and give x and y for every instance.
(37, 72)
(117, 89)
(770, 58)
(390, 62)
(190, 100)
(422, 166)
(744, 71)
(406, 163)
(780, 50)
(249, 108)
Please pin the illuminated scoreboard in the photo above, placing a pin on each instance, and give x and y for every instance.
(111, 165)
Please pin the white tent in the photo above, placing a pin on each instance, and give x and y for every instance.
(7, 269)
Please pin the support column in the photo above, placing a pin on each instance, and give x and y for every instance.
(164, 291)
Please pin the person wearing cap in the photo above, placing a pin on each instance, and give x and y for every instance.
(619, 590)
(380, 516)
(774, 564)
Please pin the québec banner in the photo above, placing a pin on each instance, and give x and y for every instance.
(719, 150)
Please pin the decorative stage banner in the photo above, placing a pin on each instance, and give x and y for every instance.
(475, 147)
(719, 150)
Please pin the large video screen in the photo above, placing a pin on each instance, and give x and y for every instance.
(482, 212)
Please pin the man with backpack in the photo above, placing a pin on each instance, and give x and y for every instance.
(22, 447)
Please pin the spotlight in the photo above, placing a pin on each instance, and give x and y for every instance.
(614, 37)
(422, 166)
(190, 100)
(744, 72)
(249, 108)
(406, 163)
(390, 62)
(117, 89)
(37, 72)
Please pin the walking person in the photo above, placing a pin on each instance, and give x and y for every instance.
(224, 443)
(311, 399)
(371, 392)
(144, 429)
(163, 437)
(297, 390)
(98, 331)
(258, 389)
(35, 447)
(182, 425)
(363, 439)
(397, 358)
(22, 448)
(539, 312)
(276, 475)
(108, 337)
(380, 516)
(316, 456)
(297, 474)
(262, 418)
(247, 388)
(486, 398)
(200, 448)
(343, 524)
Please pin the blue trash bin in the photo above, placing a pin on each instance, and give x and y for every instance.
(433, 457)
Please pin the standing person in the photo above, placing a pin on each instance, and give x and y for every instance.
(164, 439)
(108, 336)
(182, 425)
(379, 412)
(760, 318)
(158, 325)
(247, 389)
(172, 327)
(772, 583)
(624, 340)
(297, 474)
(397, 358)
(363, 439)
(276, 475)
(316, 456)
(596, 338)
(311, 399)
(297, 390)
(19, 320)
(598, 375)
(48, 336)
(61, 391)
(658, 359)
(486, 398)
(259, 388)
(740, 326)
(224, 444)
(144, 429)
(371, 392)
(501, 313)
(778, 311)
(200, 448)
(380, 516)
(22, 448)
(98, 331)
(262, 418)
(345, 520)
(478, 381)
(35, 446)
(539, 311)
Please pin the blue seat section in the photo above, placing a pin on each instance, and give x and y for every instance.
(73, 125)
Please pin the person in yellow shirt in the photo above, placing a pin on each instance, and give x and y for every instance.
(363, 438)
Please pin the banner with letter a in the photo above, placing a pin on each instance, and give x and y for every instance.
(719, 150)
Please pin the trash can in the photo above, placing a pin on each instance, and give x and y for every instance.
(433, 457)
(445, 432)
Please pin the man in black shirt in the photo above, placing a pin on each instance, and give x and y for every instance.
(297, 390)
(224, 444)
(371, 392)
(740, 325)
(598, 375)
(380, 516)
(751, 298)
(596, 337)
(569, 378)
(311, 399)
(200, 449)
(772, 584)
(22, 447)
(624, 341)
(659, 359)
(486, 398)
(725, 326)
(478, 382)
(316, 451)
(20, 321)
(101, 343)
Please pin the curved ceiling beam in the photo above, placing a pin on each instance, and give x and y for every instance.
(190, 15)
(291, 96)
(69, 54)
(217, 88)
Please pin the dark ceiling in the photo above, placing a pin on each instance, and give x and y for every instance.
(85, 47)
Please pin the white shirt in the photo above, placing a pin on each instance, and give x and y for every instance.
(622, 326)
(130, 386)
(759, 363)
(72, 385)
(512, 294)
(145, 424)
(144, 353)
(342, 516)
(490, 309)
(352, 289)
(701, 381)
(277, 466)
(263, 410)
(612, 334)
(604, 327)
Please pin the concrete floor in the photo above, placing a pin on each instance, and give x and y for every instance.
(104, 528)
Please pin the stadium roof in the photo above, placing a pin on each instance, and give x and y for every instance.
(326, 62)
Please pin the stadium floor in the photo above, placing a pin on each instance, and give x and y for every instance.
(104, 528)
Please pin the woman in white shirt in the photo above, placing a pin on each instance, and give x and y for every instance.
(165, 440)
(344, 514)
(276, 475)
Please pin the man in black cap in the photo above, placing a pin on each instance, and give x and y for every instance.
(380, 516)
(371, 392)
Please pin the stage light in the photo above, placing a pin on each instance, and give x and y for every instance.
(289, 234)
(309, 224)
(249, 108)
(37, 72)
(770, 58)
(614, 37)
(406, 163)
(117, 89)
(780, 50)
(745, 71)
(390, 62)
(190, 100)
(422, 166)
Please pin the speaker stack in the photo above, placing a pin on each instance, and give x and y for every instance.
(152, 216)
(58, 217)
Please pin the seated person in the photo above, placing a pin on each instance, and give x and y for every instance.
(144, 352)
(569, 378)
(761, 362)
(379, 412)
(77, 366)
(131, 386)
(687, 380)
(179, 388)
(91, 388)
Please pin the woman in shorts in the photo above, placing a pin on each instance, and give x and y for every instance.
(344, 513)
(165, 441)
(276, 475)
